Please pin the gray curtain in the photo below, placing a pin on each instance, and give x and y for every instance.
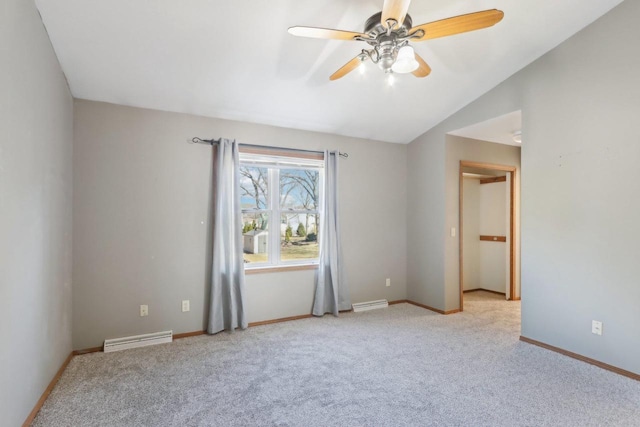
(332, 293)
(227, 302)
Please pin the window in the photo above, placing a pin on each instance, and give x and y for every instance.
(280, 202)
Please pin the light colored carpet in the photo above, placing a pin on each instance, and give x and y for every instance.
(392, 367)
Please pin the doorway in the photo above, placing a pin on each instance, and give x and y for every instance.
(488, 264)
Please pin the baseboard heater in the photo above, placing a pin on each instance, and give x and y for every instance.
(135, 341)
(370, 305)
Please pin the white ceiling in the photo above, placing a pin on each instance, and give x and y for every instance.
(235, 59)
(500, 129)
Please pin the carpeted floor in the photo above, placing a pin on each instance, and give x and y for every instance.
(398, 366)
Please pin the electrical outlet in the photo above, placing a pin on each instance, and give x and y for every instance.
(185, 305)
(388, 282)
(596, 327)
(453, 232)
(144, 310)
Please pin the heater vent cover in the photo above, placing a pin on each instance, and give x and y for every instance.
(370, 305)
(137, 341)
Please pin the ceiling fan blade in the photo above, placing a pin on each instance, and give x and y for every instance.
(326, 33)
(348, 67)
(423, 70)
(459, 24)
(394, 9)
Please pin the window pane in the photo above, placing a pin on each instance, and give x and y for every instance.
(253, 187)
(299, 189)
(255, 237)
(299, 237)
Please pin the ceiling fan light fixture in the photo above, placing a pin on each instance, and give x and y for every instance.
(389, 32)
(406, 61)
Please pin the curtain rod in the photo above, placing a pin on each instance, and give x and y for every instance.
(196, 140)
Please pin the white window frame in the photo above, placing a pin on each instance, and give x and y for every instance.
(275, 163)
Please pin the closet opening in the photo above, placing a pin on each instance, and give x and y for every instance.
(487, 230)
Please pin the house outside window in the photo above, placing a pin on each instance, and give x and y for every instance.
(281, 200)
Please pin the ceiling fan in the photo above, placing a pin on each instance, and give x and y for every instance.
(389, 33)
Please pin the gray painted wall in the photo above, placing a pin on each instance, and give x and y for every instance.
(425, 213)
(141, 219)
(36, 126)
(580, 104)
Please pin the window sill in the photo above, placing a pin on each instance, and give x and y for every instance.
(280, 268)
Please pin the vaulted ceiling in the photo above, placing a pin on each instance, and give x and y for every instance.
(235, 59)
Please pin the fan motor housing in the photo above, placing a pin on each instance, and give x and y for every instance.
(374, 26)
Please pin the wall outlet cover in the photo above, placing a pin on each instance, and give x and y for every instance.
(596, 327)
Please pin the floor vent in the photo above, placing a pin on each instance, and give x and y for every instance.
(371, 305)
(137, 341)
